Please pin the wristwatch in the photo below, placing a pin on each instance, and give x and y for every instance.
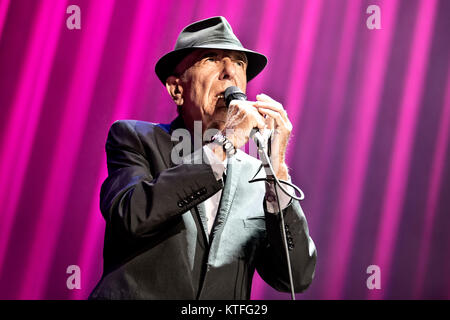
(226, 144)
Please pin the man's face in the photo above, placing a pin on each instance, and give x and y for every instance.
(207, 73)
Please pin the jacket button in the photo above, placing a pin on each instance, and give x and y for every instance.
(286, 227)
(203, 190)
(180, 204)
(291, 246)
(192, 197)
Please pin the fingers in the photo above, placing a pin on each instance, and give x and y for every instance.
(273, 109)
(273, 114)
(270, 122)
(265, 97)
(261, 123)
(267, 102)
(247, 110)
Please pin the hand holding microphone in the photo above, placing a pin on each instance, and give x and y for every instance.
(244, 116)
(261, 136)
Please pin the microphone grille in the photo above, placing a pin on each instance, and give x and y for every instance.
(233, 93)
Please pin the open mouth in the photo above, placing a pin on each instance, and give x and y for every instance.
(220, 100)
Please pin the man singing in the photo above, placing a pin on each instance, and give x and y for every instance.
(198, 229)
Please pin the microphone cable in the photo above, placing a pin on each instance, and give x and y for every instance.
(271, 177)
(263, 143)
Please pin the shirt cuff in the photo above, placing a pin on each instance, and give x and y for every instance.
(217, 166)
(271, 198)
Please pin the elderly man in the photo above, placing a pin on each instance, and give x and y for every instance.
(194, 230)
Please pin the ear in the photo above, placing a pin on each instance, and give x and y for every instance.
(175, 89)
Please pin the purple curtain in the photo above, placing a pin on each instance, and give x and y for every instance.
(370, 146)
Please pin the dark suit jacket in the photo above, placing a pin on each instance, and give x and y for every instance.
(156, 246)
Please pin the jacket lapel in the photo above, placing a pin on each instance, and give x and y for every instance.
(231, 183)
(202, 215)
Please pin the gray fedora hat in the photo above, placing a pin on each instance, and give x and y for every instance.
(211, 33)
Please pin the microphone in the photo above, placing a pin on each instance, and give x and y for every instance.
(234, 93)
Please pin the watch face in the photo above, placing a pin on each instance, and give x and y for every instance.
(229, 148)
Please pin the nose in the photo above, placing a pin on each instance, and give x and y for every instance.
(229, 69)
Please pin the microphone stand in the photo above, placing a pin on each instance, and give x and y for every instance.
(263, 143)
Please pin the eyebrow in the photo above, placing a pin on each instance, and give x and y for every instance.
(242, 56)
(209, 54)
(237, 55)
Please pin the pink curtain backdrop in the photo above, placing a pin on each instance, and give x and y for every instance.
(370, 146)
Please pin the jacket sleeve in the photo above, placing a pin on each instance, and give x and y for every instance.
(271, 261)
(139, 202)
